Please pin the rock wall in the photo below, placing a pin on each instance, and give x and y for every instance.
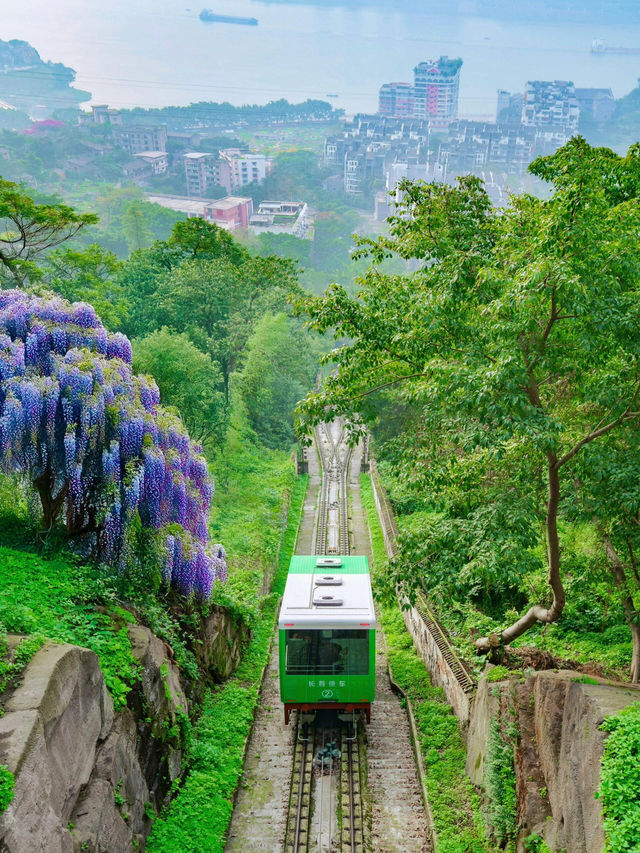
(87, 778)
(219, 643)
(558, 755)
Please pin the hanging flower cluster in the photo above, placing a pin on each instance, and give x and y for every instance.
(95, 441)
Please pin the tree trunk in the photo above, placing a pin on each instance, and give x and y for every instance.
(631, 613)
(538, 613)
(51, 507)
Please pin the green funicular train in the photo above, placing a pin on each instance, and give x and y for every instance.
(327, 636)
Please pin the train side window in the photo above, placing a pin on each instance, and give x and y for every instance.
(327, 651)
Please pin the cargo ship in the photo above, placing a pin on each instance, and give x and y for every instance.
(598, 46)
(209, 16)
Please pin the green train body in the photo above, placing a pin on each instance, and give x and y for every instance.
(327, 638)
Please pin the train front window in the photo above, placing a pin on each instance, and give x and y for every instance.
(327, 651)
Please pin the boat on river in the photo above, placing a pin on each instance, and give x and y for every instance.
(598, 46)
(212, 17)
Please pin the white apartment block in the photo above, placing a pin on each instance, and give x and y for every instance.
(238, 168)
(158, 160)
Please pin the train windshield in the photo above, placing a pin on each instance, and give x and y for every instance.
(327, 651)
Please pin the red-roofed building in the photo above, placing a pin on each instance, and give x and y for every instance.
(44, 126)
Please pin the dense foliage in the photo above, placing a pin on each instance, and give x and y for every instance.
(208, 113)
(508, 363)
(94, 441)
(281, 365)
(6, 787)
(620, 781)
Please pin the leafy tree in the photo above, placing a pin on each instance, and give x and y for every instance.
(29, 229)
(137, 233)
(285, 246)
(96, 445)
(607, 495)
(516, 340)
(88, 275)
(140, 277)
(187, 379)
(199, 239)
(216, 302)
(204, 284)
(280, 367)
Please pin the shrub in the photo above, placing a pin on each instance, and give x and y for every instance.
(620, 781)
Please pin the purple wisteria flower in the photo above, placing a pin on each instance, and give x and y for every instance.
(74, 415)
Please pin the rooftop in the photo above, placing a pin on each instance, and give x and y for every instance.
(151, 154)
(305, 587)
(182, 204)
(198, 155)
(228, 202)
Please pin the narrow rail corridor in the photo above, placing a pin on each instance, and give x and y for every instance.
(283, 806)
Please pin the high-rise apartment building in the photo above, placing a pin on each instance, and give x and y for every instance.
(136, 138)
(435, 90)
(201, 171)
(396, 100)
(553, 104)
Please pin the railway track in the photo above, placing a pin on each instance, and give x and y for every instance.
(327, 772)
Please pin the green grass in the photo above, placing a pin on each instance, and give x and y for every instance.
(454, 803)
(51, 599)
(247, 514)
(198, 818)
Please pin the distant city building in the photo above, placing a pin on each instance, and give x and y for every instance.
(280, 217)
(47, 125)
(229, 213)
(232, 212)
(504, 102)
(396, 100)
(230, 168)
(509, 106)
(433, 96)
(201, 172)
(551, 104)
(137, 138)
(597, 103)
(157, 160)
(102, 113)
(238, 168)
(188, 138)
(435, 90)
(473, 145)
(369, 145)
(137, 170)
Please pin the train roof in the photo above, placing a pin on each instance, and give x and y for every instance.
(329, 595)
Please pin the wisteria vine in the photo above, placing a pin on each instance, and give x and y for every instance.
(95, 441)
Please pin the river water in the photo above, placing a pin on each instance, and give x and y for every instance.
(158, 52)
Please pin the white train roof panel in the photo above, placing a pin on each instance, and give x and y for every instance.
(327, 597)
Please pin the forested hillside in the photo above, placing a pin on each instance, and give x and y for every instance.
(501, 383)
(127, 388)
